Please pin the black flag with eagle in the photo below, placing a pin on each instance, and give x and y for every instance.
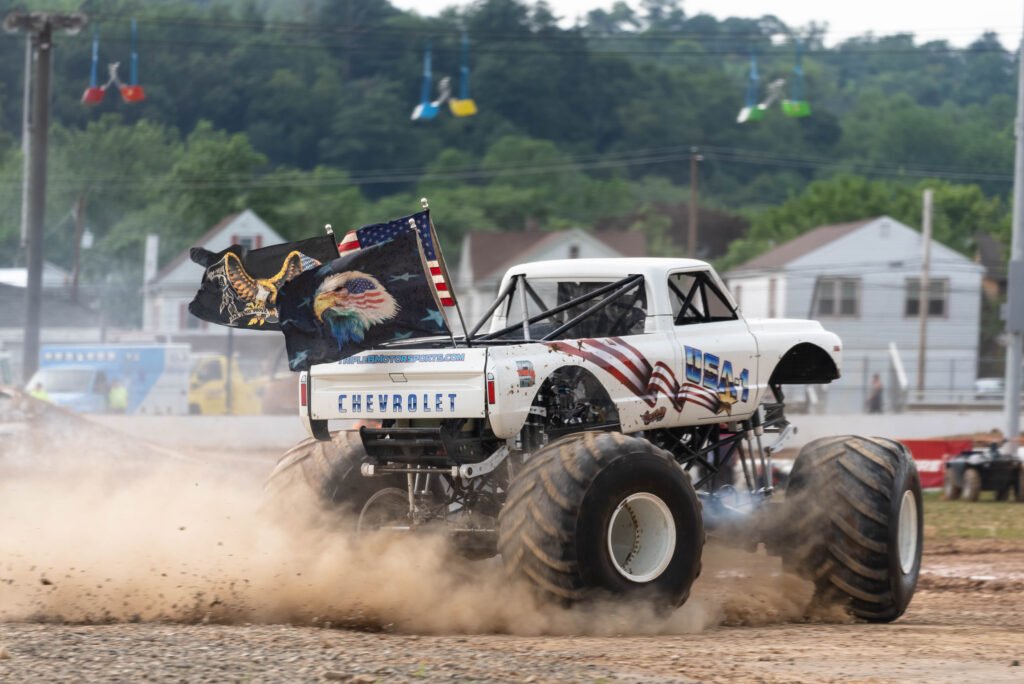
(240, 286)
(368, 297)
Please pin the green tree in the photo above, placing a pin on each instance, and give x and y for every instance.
(213, 176)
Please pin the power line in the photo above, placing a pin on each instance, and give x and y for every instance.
(569, 164)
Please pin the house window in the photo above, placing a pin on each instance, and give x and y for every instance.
(247, 241)
(838, 297)
(938, 298)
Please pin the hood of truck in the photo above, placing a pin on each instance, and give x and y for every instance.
(410, 383)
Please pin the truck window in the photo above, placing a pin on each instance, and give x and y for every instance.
(208, 371)
(626, 315)
(64, 380)
(696, 299)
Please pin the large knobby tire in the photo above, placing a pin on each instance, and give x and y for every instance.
(951, 490)
(856, 524)
(330, 472)
(972, 484)
(594, 514)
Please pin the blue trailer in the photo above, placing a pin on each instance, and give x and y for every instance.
(81, 377)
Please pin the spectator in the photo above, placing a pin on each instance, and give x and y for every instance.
(39, 392)
(875, 394)
(117, 398)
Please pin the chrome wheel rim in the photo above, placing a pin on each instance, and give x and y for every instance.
(907, 539)
(641, 537)
(387, 509)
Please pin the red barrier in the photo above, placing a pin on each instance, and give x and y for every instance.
(930, 454)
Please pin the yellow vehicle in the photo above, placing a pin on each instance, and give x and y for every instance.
(208, 383)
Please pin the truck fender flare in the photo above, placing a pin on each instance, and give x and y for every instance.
(804, 364)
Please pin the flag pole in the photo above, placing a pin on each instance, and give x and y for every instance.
(447, 277)
(329, 229)
(428, 273)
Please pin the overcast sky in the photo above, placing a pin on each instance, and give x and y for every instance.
(958, 22)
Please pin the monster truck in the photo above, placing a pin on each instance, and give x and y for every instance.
(613, 413)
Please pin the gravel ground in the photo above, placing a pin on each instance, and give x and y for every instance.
(121, 545)
(950, 635)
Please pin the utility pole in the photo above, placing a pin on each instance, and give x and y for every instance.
(691, 238)
(1015, 295)
(26, 132)
(79, 212)
(924, 295)
(40, 27)
(229, 375)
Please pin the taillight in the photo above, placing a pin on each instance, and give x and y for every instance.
(303, 390)
(490, 388)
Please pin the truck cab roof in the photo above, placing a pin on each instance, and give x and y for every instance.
(654, 270)
(650, 267)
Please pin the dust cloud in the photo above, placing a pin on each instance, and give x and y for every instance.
(184, 542)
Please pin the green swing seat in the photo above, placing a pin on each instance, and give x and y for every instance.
(796, 108)
(754, 113)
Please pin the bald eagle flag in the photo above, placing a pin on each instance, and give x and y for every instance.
(239, 287)
(360, 301)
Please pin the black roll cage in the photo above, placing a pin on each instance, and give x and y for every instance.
(701, 290)
(609, 293)
(688, 312)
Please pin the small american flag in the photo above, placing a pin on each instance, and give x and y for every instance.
(374, 234)
(629, 366)
(362, 292)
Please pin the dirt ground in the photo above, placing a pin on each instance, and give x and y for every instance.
(172, 573)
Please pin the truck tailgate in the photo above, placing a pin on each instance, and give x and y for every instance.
(401, 384)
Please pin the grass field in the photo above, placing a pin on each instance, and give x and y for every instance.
(984, 519)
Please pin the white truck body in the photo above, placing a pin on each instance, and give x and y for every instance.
(662, 373)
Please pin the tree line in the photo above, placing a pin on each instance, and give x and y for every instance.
(301, 111)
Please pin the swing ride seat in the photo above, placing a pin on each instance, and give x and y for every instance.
(462, 107)
(755, 113)
(425, 111)
(132, 93)
(796, 108)
(93, 95)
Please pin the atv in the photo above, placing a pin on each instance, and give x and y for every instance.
(983, 469)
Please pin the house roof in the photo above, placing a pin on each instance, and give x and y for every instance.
(490, 252)
(202, 240)
(801, 245)
(53, 276)
(55, 312)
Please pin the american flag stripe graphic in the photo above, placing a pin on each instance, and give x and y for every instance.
(349, 243)
(371, 235)
(631, 382)
(629, 366)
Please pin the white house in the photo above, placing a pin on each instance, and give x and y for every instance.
(54, 277)
(862, 281)
(168, 293)
(487, 255)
